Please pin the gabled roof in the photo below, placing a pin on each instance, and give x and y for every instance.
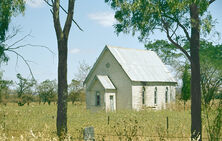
(139, 65)
(105, 81)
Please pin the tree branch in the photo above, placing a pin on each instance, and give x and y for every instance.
(178, 46)
(68, 21)
(19, 40)
(55, 13)
(182, 26)
(14, 33)
(72, 18)
(65, 12)
(26, 62)
(174, 31)
(211, 1)
(46, 1)
(165, 25)
(10, 47)
(22, 46)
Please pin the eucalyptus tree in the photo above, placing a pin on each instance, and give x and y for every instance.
(181, 21)
(62, 35)
(4, 87)
(185, 91)
(75, 89)
(47, 91)
(211, 71)
(24, 89)
(8, 8)
(210, 65)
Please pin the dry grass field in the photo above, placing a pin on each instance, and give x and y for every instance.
(38, 122)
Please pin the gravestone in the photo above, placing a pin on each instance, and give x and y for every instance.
(88, 134)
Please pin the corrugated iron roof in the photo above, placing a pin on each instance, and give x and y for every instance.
(141, 65)
(105, 81)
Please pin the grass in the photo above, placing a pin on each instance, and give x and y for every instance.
(38, 122)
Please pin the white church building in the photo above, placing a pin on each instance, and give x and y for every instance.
(125, 78)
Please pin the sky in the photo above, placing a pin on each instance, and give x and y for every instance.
(95, 17)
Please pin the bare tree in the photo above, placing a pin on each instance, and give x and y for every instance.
(8, 46)
(82, 73)
(62, 35)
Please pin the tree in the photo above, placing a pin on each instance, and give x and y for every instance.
(4, 86)
(211, 70)
(74, 90)
(185, 92)
(62, 35)
(211, 81)
(24, 90)
(8, 8)
(47, 91)
(171, 17)
(210, 63)
(170, 55)
(82, 73)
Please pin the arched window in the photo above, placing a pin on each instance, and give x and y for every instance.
(97, 99)
(166, 95)
(155, 96)
(143, 96)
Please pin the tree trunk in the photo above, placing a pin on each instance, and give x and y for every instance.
(62, 89)
(62, 40)
(184, 104)
(195, 74)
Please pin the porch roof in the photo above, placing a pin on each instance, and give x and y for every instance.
(106, 82)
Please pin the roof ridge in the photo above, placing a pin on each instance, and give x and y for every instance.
(109, 46)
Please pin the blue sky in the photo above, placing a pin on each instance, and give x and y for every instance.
(96, 19)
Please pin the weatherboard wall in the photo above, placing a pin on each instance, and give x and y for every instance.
(149, 96)
(91, 97)
(118, 77)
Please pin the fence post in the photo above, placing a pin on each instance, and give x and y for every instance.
(88, 134)
(4, 122)
(108, 120)
(167, 122)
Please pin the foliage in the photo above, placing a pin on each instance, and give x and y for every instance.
(24, 86)
(211, 70)
(210, 63)
(75, 89)
(47, 91)
(211, 81)
(26, 98)
(145, 17)
(213, 121)
(169, 55)
(4, 87)
(185, 92)
(127, 128)
(8, 8)
(166, 51)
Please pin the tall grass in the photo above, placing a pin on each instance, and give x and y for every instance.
(38, 122)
